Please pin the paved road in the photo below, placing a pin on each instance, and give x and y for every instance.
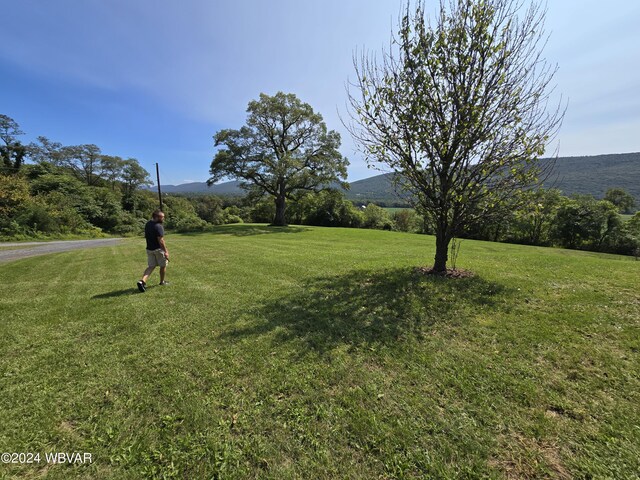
(42, 248)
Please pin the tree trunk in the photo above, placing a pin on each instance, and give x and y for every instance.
(442, 251)
(281, 207)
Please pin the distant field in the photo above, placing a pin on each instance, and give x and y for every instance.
(319, 353)
(393, 209)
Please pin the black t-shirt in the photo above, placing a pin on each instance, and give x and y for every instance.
(153, 230)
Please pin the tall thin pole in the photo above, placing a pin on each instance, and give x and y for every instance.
(159, 192)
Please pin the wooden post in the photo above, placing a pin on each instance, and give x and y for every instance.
(159, 191)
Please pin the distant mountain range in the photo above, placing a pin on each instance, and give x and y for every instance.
(592, 175)
(226, 188)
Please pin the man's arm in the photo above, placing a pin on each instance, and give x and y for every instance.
(163, 246)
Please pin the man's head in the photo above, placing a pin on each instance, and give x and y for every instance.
(158, 216)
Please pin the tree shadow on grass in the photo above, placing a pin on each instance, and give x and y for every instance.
(368, 308)
(243, 230)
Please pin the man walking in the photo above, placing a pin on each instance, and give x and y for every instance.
(157, 253)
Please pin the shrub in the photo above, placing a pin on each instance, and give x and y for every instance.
(130, 225)
(377, 217)
(232, 219)
(209, 209)
(181, 215)
(328, 209)
(12, 229)
(262, 212)
(583, 222)
(14, 194)
(107, 212)
(189, 224)
(406, 220)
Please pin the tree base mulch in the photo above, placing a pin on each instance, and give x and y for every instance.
(450, 273)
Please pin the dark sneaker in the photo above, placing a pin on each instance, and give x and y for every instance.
(142, 286)
(164, 283)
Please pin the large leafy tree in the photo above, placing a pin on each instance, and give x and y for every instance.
(12, 151)
(622, 199)
(283, 150)
(133, 176)
(583, 221)
(47, 151)
(85, 161)
(112, 169)
(458, 107)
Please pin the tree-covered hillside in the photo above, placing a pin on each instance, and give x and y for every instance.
(595, 175)
(571, 175)
(592, 175)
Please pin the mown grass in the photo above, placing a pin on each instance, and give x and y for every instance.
(306, 352)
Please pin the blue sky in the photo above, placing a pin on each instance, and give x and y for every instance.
(155, 79)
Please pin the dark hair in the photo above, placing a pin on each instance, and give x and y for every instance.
(157, 213)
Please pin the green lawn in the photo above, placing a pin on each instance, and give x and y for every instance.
(318, 353)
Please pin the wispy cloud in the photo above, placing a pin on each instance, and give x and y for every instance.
(204, 60)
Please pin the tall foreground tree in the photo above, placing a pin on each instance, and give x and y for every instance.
(458, 107)
(283, 150)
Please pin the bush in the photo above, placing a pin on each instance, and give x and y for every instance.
(583, 222)
(181, 215)
(209, 209)
(37, 218)
(189, 224)
(262, 212)
(533, 222)
(377, 217)
(141, 203)
(328, 208)
(14, 194)
(232, 219)
(626, 240)
(406, 220)
(107, 212)
(58, 182)
(130, 225)
(53, 219)
(12, 229)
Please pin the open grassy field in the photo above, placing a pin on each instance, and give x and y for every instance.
(307, 352)
(396, 209)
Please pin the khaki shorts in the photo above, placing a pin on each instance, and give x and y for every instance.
(156, 258)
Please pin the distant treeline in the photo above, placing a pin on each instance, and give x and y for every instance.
(592, 175)
(541, 217)
(44, 199)
(547, 218)
(51, 190)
